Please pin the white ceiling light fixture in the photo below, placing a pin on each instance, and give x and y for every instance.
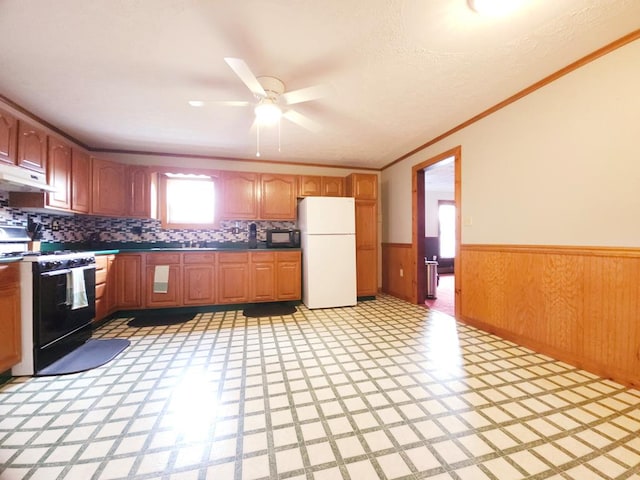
(494, 8)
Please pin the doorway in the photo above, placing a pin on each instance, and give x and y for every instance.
(420, 215)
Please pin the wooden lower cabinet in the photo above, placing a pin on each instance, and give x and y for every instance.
(288, 272)
(199, 278)
(105, 286)
(10, 336)
(128, 280)
(173, 296)
(263, 276)
(233, 277)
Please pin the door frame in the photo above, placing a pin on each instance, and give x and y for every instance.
(418, 222)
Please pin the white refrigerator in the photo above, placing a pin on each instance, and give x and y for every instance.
(328, 239)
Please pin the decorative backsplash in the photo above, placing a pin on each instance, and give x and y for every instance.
(80, 228)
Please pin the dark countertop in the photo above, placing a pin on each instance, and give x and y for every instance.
(110, 248)
(10, 259)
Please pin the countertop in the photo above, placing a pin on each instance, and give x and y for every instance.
(150, 247)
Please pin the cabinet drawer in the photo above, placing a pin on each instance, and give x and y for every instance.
(163, 259)
(263, 257)
(233, 257)
(288, 256)
(101, 276)
(9, 273)
(100, 290)
(102, 261)
(204, 257)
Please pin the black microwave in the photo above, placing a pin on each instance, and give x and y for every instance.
(283, 238)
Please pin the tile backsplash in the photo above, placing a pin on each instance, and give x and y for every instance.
(78, 228)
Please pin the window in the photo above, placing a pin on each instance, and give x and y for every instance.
(187, 201)
(447, 226)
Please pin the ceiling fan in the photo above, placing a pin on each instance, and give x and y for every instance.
(271, 97)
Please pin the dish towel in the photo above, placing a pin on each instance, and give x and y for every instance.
(76, 290)
(161, 279)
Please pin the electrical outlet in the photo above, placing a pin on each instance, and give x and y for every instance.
(401, 273)
(55, 226)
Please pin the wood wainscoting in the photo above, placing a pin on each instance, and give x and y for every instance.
(398, 270)
(580, 305)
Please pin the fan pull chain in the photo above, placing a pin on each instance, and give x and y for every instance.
(258, 140)
(279, 136)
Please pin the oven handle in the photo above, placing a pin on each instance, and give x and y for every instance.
(64, 271)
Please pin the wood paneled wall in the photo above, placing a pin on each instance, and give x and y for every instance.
(579, 305)
(397, 258)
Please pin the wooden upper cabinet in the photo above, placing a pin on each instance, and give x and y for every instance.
(80, 181)
(139, 185)
(316, 186)
(310, 186)
(8, 137)
(239, 196)
(32, 147)
(362, 186)
(59, 173)
(109, 195)
(333, 186)
(278, 197)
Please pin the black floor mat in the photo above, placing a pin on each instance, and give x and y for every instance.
(93, 353)
(158, 319)
(269, 310)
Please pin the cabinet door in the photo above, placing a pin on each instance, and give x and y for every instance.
(289, 276)
(8, 137)
(233, 278)
(278, 197)
(239, 197)
(59, 174)
(80, 181)
(10, 334)
(367, 247)
(333, 186)
(263, 276)
(108, 188)
(128, 279)
(367, 272)
(363, 186)
(32, 147)
(139, 184)
(199, 285)
(173, 296)
(310, 186)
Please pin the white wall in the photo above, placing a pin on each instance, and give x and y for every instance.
(560, 166)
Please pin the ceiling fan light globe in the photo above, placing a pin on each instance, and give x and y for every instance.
(268, 113)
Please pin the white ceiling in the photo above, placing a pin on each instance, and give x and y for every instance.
(117, 74)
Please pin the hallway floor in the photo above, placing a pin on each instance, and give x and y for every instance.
(445, 295)
(384, 390)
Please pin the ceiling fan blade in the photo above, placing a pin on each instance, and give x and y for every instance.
(302, 120)
(305, 94)
(246, 75)
(228, 103)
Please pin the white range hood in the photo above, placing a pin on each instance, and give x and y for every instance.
(16, 179)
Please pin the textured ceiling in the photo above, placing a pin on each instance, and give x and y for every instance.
(117, 74)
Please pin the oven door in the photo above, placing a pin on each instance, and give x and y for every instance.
(59, 329)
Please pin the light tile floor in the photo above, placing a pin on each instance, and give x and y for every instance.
(384, 390)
